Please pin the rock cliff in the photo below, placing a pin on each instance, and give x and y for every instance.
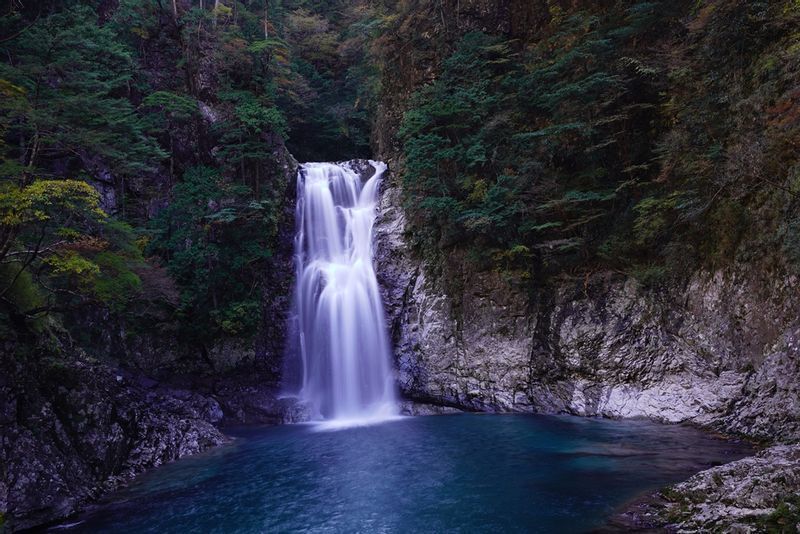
(73, 429)
(719, 349)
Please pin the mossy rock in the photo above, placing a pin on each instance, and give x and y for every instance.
(784, 520)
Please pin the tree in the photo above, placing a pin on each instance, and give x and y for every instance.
(72, 73)
(214, 238)
(513, 150)
(39, 223)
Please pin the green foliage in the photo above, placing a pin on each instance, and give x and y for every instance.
(125, 99)
(215, 239)
(243, 145)
(60, 250)
(175, 105)
(72, 72)
(116, 283)
(656, 215)
(70, 264)
(512, 146)
(47, 200)
(37, 222)
(254, 117)
(783, 520)
(330, 104)
(650, 276)
(585, 141)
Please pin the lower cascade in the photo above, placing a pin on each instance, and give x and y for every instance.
(343, 371)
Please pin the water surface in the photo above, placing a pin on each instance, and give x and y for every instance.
(460, 473)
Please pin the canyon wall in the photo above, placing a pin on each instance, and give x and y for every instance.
(720, 349)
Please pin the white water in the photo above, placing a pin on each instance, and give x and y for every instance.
(339, 323)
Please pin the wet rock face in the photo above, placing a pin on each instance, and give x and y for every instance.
(71, 430)
(721, 350)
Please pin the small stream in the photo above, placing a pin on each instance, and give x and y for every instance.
(457, 473)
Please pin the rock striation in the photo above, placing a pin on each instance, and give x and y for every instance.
(721, 350)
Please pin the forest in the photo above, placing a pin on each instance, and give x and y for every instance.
(618, 138)
(137, 147)
(138, 142)
(573, 207)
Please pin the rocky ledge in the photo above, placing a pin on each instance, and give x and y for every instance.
(756, 494)
(71, 430)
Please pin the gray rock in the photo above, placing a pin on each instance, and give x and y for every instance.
(70, 430)
(739, 496)
(418, 408)
(720, 350)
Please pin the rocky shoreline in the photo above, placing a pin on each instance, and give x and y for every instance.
(74, 429)
(61, 462)
(755, 494)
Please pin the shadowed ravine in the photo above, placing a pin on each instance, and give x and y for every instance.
(586, 209)
(459, 473)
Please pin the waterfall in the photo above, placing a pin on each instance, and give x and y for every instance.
(338, 321)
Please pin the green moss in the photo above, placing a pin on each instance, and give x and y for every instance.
(679, 504)
(651, 275)
(784, 519)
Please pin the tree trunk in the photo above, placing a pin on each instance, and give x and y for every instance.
(266, 20)
(175, 8)
(216, 11)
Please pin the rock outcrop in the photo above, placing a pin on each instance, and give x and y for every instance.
(720, 350)
(755, 494)
(72, 428)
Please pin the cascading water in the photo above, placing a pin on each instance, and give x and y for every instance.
(339, 326)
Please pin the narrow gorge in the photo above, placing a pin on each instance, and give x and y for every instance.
(248, 247)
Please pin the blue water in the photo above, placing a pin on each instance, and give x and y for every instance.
(460, 473)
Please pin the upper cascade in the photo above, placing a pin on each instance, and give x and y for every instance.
(339, 323)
